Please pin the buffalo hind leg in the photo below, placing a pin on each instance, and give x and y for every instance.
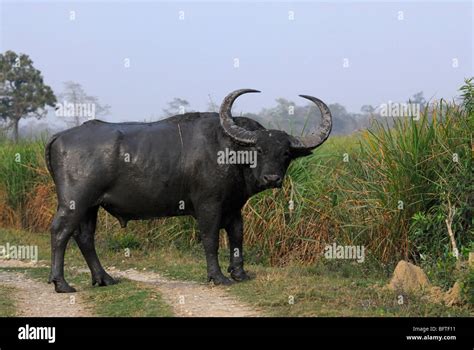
(235, 230)
(65, 222)
(84, 238)
(209, 224)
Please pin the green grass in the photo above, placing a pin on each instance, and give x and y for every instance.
(129, 299)
(302, 291)
(7, 301)
(18, 169)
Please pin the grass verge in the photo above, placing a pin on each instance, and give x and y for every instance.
(7, 303)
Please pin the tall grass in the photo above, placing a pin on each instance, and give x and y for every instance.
(21, 170)
(404, 172)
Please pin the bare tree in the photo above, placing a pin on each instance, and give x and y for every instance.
(75, 106)
(176, 106)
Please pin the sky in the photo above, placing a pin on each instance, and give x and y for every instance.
(350, 52)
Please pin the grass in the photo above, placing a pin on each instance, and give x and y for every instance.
(330, 288)
(129, 299)
(313, 291)
(7, 302)
(18, 169)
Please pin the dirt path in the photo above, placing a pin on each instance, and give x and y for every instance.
(188, 299)
(37, 299)
(191, 299)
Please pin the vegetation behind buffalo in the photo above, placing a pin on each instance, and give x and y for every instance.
(389, 189)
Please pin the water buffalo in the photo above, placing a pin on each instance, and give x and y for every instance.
(139, 171)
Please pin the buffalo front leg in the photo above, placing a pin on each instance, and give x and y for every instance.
(209, 224)
(85, 240)
(235, 230)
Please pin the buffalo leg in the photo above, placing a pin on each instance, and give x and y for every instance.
(209, 224)
(235, 231)
(64, 224)
(85, 240)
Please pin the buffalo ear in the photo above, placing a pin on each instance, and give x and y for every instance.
(301, 152)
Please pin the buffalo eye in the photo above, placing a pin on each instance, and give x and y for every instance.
(259, 150)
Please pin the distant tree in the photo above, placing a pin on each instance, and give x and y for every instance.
(176, 106)
(298, 120)
(284, 116)
(23, 93)
(344, 122)
(211, 105)
(418, 98)
(76, 106)
(367, 109)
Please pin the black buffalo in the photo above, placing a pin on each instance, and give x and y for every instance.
(139, 171)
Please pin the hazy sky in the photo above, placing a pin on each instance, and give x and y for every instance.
(388, 58)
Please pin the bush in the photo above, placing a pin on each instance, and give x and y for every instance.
(122, 240)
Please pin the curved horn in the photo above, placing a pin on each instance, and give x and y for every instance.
(319, 136)
(227, 122)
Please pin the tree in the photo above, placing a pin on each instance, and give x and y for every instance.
(418, 98)
(23, 93)
(176, 106)
(284, 116)
(211, 105)
(367, 109)
(344, 122)
(300, 120)
(76, 106)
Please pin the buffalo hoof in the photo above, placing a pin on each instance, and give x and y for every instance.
(63, 287)
(103, 280)
(239, 275)
(220, 280)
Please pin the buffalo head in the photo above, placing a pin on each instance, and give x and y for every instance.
(275, 149)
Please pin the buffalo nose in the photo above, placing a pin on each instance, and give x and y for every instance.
(272, 179)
